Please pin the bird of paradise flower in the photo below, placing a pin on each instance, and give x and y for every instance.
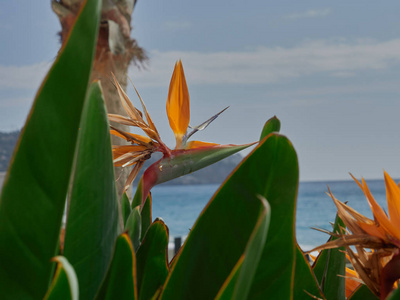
(376, 258)
(188, 156)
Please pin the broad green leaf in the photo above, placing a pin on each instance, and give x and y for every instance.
(120, 280)
(92, 221)
(152, 263)
(35, 188)
(145, 213)
(133, 227)
(188, 161)
(65, 283)
(329, 268)
(125, 207)
(248, 266)
(395, 295)
(137, 198)
(364, 293)
(277, 263)
(305, 283)
(146, 216)
(252, 254)
(227, 289)
(222, 231)
(272, 125)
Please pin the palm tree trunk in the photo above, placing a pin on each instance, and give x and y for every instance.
(115, 50)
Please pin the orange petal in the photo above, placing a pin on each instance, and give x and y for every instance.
(120, 150)
(379, 214)
(373, 229)
(178, 104)
(352, 281)
(132, 137)
(199, 144)
(393, 200)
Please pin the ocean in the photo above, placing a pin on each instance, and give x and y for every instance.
(180, 205)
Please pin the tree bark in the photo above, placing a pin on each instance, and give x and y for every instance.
(115, 50)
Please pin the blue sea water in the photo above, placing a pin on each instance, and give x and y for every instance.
(179, 206)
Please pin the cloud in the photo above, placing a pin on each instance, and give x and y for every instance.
(263, 65)
(312, 13)
(268, 65)
(23, 77)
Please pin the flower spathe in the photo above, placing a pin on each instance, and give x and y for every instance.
(376, 242)
(193, 154)
(178, 104)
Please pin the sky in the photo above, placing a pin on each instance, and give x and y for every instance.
(330, 71)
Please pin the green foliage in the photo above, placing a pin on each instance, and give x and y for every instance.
(120, 280)
(125, 207)
(242, 245)
(133, 226)
(395, 295)
(305, 283)
(364, 293)
(238, 283)
(93, 196)
(35, 188)
(272, 125)
(152, 261)
(65, 282)
(329, 268)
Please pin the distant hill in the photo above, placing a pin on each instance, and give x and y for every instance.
(7, 145)
(215, 173)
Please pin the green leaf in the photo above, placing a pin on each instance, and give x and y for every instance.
(364, 293)
(329, 268)
(305, 283)
(65, 282)
(188, 161)
(277, 263)
(34, 191)
(125, 207)
(120, 280)
(248, 266)
(394, 295)
(92, 220)
(227, 289)
(183, 162)
(145, 214)
(146, 217)
(272, 125)
(222, 231)
(134, 227)
(152, 263)
(252, 254)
